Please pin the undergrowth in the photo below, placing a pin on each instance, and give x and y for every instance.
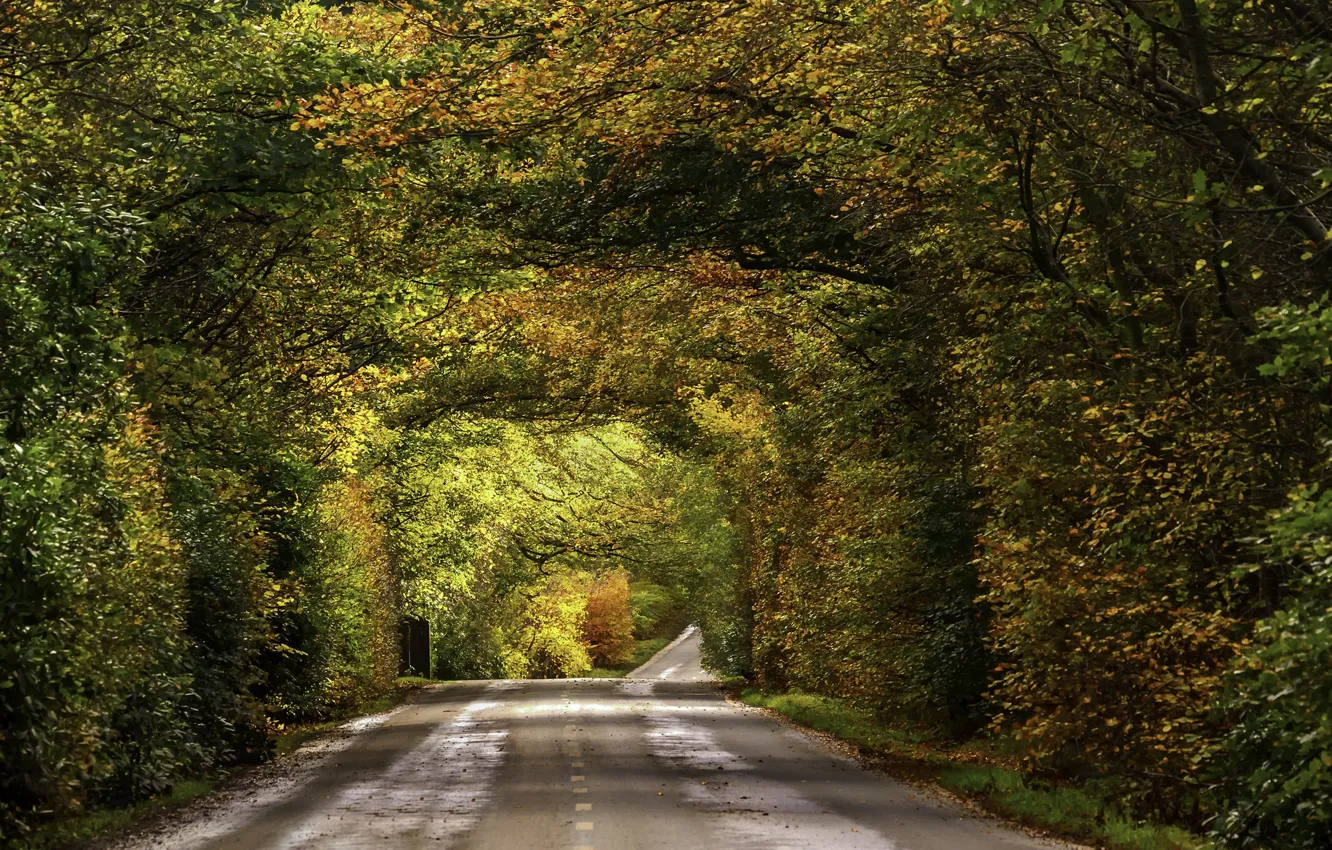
(94, 824)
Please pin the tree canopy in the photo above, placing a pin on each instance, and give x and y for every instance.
(966, 360)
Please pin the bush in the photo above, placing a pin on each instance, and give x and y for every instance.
(220, 545)
(1279, 771)
(1277, 778)
(552, 631)
(93, 680)
(352, 590)
(658, 611)
(608, 630)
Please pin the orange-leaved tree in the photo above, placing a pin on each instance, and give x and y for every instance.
(609, 627)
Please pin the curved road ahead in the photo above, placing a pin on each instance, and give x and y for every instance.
(659, 761)
(679, 662)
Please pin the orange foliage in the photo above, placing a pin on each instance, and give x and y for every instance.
(609, 628)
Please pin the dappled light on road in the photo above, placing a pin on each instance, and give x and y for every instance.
(588, 763)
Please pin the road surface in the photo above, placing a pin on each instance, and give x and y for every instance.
(680, 661)
(661, 762)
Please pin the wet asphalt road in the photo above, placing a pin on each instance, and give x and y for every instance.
(660, 761)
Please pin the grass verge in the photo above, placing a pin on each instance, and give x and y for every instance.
(1070, 811)
(1075, 813)
(77, 829)
(643, 650)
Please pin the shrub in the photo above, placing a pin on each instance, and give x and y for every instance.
(658, 611)
(1277, 779)
(549, 640)
(608, 630)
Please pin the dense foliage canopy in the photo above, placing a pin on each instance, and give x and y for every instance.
(968, 360)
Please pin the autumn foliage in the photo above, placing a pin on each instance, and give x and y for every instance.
(609, 627)
(967, 360)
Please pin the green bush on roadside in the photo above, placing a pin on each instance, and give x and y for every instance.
(1277, 773)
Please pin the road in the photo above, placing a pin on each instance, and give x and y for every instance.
(662, 762)
(680, 661)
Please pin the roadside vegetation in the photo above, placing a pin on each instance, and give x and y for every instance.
(985, 772)
(81, 829)
(960, 361)
(656, 615)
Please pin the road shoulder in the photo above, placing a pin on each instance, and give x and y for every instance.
(886, 751)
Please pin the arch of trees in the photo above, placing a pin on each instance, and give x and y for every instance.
(968, 360)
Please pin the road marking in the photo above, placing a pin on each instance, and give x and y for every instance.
(582, 807)
(578, 778)
(580, 790)
(576, 764)
(584, 826)
(582, 847)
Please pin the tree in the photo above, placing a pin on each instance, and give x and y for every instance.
(608, 630)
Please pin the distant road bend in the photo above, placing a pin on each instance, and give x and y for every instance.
(657, 761)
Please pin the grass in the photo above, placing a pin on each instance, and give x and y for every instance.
(96, 824)
(100, 823)
(643, 650)
(1073, 812)
(834, 716)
